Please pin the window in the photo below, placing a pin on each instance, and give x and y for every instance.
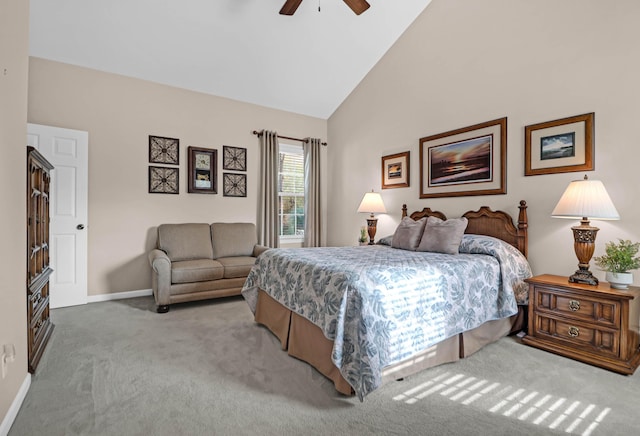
(291, 192)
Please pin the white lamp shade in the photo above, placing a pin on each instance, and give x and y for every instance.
(372, 203)
(586, 198)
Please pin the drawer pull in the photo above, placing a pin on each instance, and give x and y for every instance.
(574, 305)
(574, 332)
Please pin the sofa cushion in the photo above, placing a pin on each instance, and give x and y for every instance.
(185, 241)
(237, 266)
(200, 270)
(233, 239)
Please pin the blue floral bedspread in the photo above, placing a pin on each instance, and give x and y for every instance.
(381, 305)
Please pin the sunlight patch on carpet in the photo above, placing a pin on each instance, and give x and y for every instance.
(557, 413)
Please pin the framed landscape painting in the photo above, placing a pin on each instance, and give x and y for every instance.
(464, 162)
(560, 146)
(395, 170)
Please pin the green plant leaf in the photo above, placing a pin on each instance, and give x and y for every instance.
(619, 257)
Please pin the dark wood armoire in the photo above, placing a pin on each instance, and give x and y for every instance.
(38, 269)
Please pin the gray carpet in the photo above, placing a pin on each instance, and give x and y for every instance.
(119, 368)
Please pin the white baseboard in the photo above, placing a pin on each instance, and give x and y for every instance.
(7, 422)
(119, 296)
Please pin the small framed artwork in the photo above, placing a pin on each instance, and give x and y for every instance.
(203, 163)
(464, 162)
(234, 158)
(560, 146)
(164, 150)
(163, 180)
(234, 185)
(395, 170)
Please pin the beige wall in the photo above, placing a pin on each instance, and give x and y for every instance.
(463, 62)
(119, 113)
(14, 49)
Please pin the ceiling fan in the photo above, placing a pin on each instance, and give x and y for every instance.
(357, 6)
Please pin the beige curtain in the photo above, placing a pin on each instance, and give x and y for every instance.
(268, 228)
(312, 207)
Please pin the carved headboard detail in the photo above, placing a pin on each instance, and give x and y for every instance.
(485, 221)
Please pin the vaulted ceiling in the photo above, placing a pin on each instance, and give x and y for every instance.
(307, 63)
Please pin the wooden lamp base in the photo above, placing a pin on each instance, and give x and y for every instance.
(371, 228)
(584, 237)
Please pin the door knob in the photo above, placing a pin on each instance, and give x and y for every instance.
(80, 226)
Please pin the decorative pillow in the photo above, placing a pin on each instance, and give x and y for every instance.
(443, 236)
(408, 234)
(385, 241)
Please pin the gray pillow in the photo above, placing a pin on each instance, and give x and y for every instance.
(408, 234)
(385, 241)
(443, 236)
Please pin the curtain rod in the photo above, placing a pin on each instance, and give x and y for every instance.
(259, 134)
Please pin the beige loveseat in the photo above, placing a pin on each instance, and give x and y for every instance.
(201, 261)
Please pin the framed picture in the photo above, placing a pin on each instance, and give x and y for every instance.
(164, 150)
(559, 146)
(234, 158)
(395, 170)
(467, 161)
(234, 185)
(203, 163)
(163, 180)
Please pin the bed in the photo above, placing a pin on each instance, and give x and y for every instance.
(364, 316)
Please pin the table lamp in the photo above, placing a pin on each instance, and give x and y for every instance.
(372, 203)
(585, 199)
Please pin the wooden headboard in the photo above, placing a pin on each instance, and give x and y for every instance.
(485, 221)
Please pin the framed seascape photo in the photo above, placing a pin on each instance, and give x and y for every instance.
(234, 185)
(234, 158)
(560, 146)
(395, 170)
(203, 163)
(163, 180)
(164, 150)
(463, 162)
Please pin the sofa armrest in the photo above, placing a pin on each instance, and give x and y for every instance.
(160, 276)
(259, 249)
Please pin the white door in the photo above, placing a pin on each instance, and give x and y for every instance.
(68, 152)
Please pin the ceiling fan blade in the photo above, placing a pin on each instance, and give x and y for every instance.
(289, 7)
(357, 6)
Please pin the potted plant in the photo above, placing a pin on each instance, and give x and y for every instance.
(618, 260)
(363, 236)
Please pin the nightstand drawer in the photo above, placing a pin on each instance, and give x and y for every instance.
(578, 335)
(573, 305)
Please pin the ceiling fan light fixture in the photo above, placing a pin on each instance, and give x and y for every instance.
(357, 6)
(290, 7)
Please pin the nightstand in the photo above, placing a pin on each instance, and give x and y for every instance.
(598, 325)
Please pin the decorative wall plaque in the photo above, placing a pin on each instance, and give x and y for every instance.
(203, 163)
(163, 180)
(164, 150)
(234, 185)
(234, 158)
